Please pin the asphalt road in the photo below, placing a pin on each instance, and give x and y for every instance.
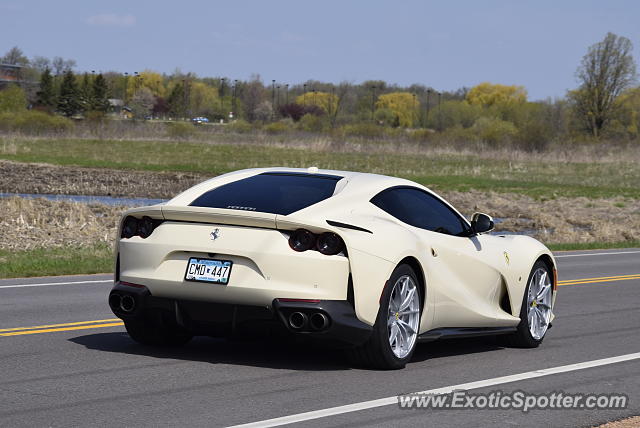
(92, 374)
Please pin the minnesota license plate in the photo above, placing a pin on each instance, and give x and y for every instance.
(208, 270)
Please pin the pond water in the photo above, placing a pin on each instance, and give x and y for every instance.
(107, 200)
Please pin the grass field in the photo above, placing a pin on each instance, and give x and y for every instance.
(56, 261)
(540, 177)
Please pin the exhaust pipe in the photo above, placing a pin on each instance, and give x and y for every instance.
(127, 303)
(114, 301)
(298, 320)
(319, 321)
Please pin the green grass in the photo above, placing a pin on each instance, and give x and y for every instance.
(594, 245)
(56, 261)
(441, 172)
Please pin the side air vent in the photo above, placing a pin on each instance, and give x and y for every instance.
(505, 302)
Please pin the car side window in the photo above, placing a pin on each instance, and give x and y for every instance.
(420, 209)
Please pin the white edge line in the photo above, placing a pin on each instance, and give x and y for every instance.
(332, 411)
(55, 283)
(594, 254)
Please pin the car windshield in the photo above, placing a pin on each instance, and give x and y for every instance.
(271, 192)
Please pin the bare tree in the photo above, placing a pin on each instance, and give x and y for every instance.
(341, 94)
(606, 70)
(61, 65)
(41, 63)
(252, 96)
(142, 103)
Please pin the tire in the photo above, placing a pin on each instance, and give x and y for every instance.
(378, 352)
(149, 333)
(535, 310)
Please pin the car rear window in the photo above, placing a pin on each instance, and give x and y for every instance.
(269, 192)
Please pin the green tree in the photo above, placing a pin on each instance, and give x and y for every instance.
(605, 71)
(86, 93)
(100, 94)
(203, 99)
(176, 101)
(47, 93)
(12, 99)
(69, 100)
(452, 114)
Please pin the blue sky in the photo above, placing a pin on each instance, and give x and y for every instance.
(444, 44)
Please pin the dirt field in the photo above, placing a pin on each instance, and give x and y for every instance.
(18, 177)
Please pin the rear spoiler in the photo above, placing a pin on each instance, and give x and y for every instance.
(219, 216)
(227, 216)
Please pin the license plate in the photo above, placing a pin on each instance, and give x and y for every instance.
(208, 270)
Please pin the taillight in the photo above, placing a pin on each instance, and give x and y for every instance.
(327, 243)
(145, 227)
(138, 227)
(130, 227)
(302, 240)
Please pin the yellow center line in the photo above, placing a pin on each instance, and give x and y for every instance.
(114, 322)
(37, 327)
(599, 279)
(51, 330)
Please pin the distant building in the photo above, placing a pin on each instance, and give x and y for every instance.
(10, 73)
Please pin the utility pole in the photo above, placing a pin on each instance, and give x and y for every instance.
(426, 120)
(286, 93)
(233, 103)
(135, 82)
(330, 101)
(184, 97)
(439, 111)
(273, 98)
(373, 98)
(222, 97)
(413, 113)
(126, 81)
(188, 94)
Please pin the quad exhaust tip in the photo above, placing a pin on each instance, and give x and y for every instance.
(127, 303)
(114, 301)
(124, 303)
(318, 321)
(298, 320)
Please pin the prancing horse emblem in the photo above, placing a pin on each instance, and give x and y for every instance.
(215, 234)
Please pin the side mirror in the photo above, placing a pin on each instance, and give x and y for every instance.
(481, 223)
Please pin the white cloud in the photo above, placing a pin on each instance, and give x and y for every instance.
(112, 20)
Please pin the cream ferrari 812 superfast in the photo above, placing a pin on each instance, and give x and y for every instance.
(370, 263)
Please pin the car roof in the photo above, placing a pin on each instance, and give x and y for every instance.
(363, 184)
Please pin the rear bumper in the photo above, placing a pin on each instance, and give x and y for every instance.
(342, 328)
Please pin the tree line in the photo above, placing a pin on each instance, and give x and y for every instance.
(606, 102)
